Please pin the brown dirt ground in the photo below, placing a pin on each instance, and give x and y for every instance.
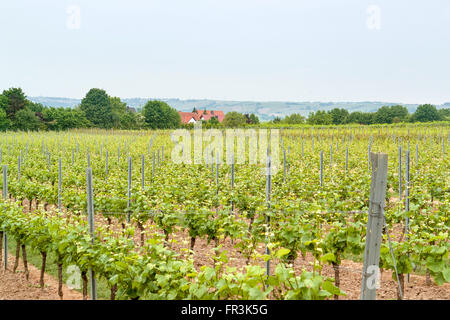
(14, 286)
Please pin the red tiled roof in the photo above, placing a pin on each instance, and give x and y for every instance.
(201, 115)
(186, 116)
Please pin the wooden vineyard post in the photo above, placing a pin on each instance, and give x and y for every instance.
(284, 165)
(375, 222)
(90, 210)
(5, 237)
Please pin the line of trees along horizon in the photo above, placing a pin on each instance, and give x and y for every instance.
(384, 115)
(99, 110)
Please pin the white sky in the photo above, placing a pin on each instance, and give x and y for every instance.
(264, 50)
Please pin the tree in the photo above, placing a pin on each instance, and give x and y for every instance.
(64, 118)
(254, 119)
(399, 113)
(129, 120)
(444, 114)
(3, 102)
(118, 109)
(338, 116)
(35, 107)
(426, 113)
(213, 122)
(122, 116)
(5, 123)
(25, 120)
(159, 115)
(15, 102)
(234, 119)
(361, 117)
(368, 118)
(295, 118)
(320, 117)
(391, 114)
(251, 118)
(276, 120)
(97, 107)
(383, 115)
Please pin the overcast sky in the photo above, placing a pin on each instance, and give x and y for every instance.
(264, 50)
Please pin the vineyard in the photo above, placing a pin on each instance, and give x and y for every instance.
(217, 230)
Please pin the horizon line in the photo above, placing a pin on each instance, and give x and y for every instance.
(259, 101)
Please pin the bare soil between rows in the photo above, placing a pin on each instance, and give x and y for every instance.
(16, 287)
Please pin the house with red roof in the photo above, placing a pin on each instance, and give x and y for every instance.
(201, 115)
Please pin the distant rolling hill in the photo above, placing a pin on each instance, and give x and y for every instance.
(264, 110)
